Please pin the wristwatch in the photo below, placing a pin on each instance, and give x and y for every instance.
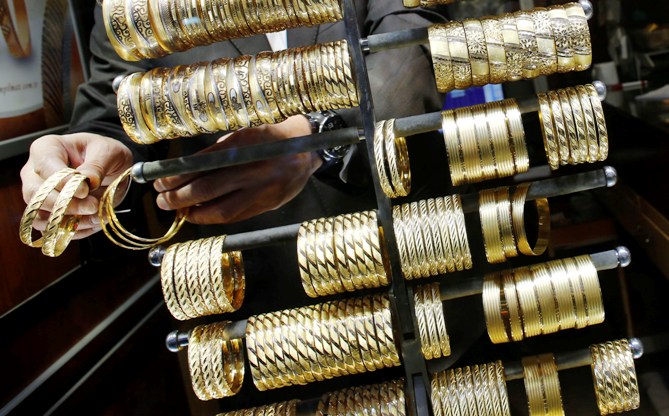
(327, 121)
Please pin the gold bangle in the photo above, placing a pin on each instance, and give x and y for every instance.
(379, 255)
(364, 250)
(492, 237)
(380, 159)
(16, 32)
(333, 94)
(331, 283)
(529, 44)
(383, 323)
(492, 308)
(263, 72)
(512, 304)
(616, 386)
(602, 131)
(549, 295)
(118, 31)
(356, 317)
(440, 320)
(242, 72)
(563, 43)
(228, 294)
(560, 127)
(492, 29)
(35, 203)
(420, 307)
(514, 122)
(512, 47)
(215, 108)
(579, 35)
(316, 267)
(207, 289)
(484, 141)
(402, 244)
(564, 305)
(500, 138)
(340, 242)
(438, 253)
(128, 103)
(482, 391)
(454, 149)
(528, 301)
(347, 329)
(545, 41)
(428, 237)
(299, 348)
(252, 352)
(174, 111)
(60, 228)
(478, 53)
(548, 132)
(141, 29)
(195, 347)
(592, 289)
(411, 240)
(198, 101)
(461, 231)
(167, 284)
(467, 137)
(421, 263)
(590, 123)
(579, 122)
(542, 385)
(403, 160)
(308, 96)
(235, 95)
(351, 251)
(398, 157)
(152, 103)
(316, 57)
(441, 58)
(543, 217)
(578, 292)
(228, 360)
(505, 220)
(325, 238)
(182, 100)
(457, 46)
(192, 278)
(370, 332)
(349, 83)
(444, 220)
(181, 280)
(570, 125)
(304, 262)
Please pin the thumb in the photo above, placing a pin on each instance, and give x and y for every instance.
(104, 161)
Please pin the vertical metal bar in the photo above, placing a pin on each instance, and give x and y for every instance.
(414, 365)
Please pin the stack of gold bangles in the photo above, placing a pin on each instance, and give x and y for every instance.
(288, 408)
(314, 343)
(431, 320)
(60, 228)
(228, 94)
(377, 399)
(614, 377)
(392, 160)
(216, 362)
(471, 390)
(542, 299)
(199, 279)
(521, 45)
(542, 385)
(342, 253)
(503, 223)
(485, 142)
(573, 126)
(431, 237)
(140, 29)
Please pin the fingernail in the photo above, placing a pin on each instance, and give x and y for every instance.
(158, 186)
(89, 208)
(162, 204)
(95, 220)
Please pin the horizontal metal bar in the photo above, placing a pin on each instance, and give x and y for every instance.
(392, 40)
(202, 162)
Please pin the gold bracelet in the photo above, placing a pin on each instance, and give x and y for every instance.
(411, 240)
(229, 293)
(478, 52)
(429, 238)
(579, 35)
(513, 304)
(492, 237)
(398, 157)
(561, 33)
(35, 203)
(444, 218)
(192, 279)
(484, 141)
(418, 225)
(578, 292)
(118, 31)
(364, 247)
(316, 58)
(351, 86)
(355, 317)
(570, 124)
(379, 254)
(383, 322)
(181, 280)
(616, 386)
(602, 131)
(481, 389)
(402, 244)
(167, 284)
(174, 114)
(195, 347)
(127, 100)
(549, 295)
(542, 385)
(325, 229)
(467, 137)
(60, 228)
(199, 105)
(560, 128)
(498, 382)
(304, 262)
(263, 72)
(370, 331)
(207, 289)
(454, 149)
(252, 350)
(351, 251)
(529, 44)
(141, 29)
(564, 304)
(300, 58)
(440, 320)
(457, 46)
(492, 29)
(298, 349)
(548, 132)
(441, 58)
(592, 290)
(420, 310)
(500, 138)
(590, 123)
(461, 231)
(316, 262)
(579, 122)
(331, 283)
(512, 47)
(545, 41)
(380, 159)
(518, 215)
(153, 105)
(178, 94)
(528, 301)
(492, 308)
(505, 221)
(514, 122)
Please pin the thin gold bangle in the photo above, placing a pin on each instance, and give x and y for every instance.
(167, 284)
(570, 124)
(514, 122)
(60, 228)
(560, 127)
(580, 36)
(492, 29)
(192, 278)
(457, 46)
(142, 29)
(195, 346)
(454, 149)
(492, 309)
(514, 315)
(207, 289)
(409, 235)
(428, 240)
(303, 261)
(488, 166)
(500, 138)
(461, 229)
(602, 131)
(478, 52)
(548, 132)
(492, 237)
(518, 215)
(578, 292)
(381, 160)
(351, 252)
(592, 289)
(563, 43)
(444, 218)
(398, 157)
(529, 44)
(590, 123)
(505, 221)
(127, 101)
(579, 121)
(441, 58)
(545, 41)
(421, 263)
(542, 385)
(420, 310)
(512, 47)
(470, 149)
(549, 300)
(330, 284)
(528, 301)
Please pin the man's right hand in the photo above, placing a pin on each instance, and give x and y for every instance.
(101, 159)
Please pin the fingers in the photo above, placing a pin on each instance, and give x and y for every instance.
(233, 207)
(86, 222)
(104, 160)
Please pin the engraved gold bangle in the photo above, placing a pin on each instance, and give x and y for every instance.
(128, 103)
(484, 141)
(195, 347)
(614, 376)
(505, 221)
(461, 230)
(331, 285)
(457, 46)
(492, 237)
(544, 276)
(421, 318)
(560, 127)
(512, 305)
(563, 43)
(60, 228)
(443, 220)
(500, 138)
(492, 29)
(548, 132)
(410, 239)
(142, 29)
(192, 278)
(518, 215)
(577, 291)
(441, 58)
(579, 122)
(303, 261)
(545, 41)
(181, 281)
(381, 160)
(398, 160)
(512, 47)
(421, 262)
(602, 131)
(592, 289)
(467, 138)
(590, 123)
(579, 35)
(514, 122)
(426, 231)
(492, 308)
(478, 52)
(118, 30)
(529, 44)
(349, 83)
(353, 252)
(528, 302)
(561, 291)
(570, 125)
(440, 320)
(542, 385)
(167, 284)
(454, 149)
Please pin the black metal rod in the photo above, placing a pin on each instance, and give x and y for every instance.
(393, 40)
(605, 260)
(240, 155)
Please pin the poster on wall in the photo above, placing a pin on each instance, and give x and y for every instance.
(40, 66)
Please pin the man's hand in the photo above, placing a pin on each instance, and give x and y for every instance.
(101, 159)
(239, 192)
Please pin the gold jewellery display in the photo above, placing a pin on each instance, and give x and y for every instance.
(573, 126)
(199, 279)
(118, 234)
(232, 93)
(392, 160)
(471, 390)
(502, 217)
(431, 320)
(139, 29)
(431, 237)
(216, 363)
(542, 385)
(16, 31)
(614, 377)
(318, 342)
(521, 45)
(342, 253)
(288, 408)
(485, 142)
(60, 228)
(542, 299)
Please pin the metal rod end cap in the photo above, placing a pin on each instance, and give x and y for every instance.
(637, 347)
(156, 255)
(611, 176)
(624, 256)
(137, 172)
(116, 83)
(588, 8)
(172, 341)
(601, 89)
